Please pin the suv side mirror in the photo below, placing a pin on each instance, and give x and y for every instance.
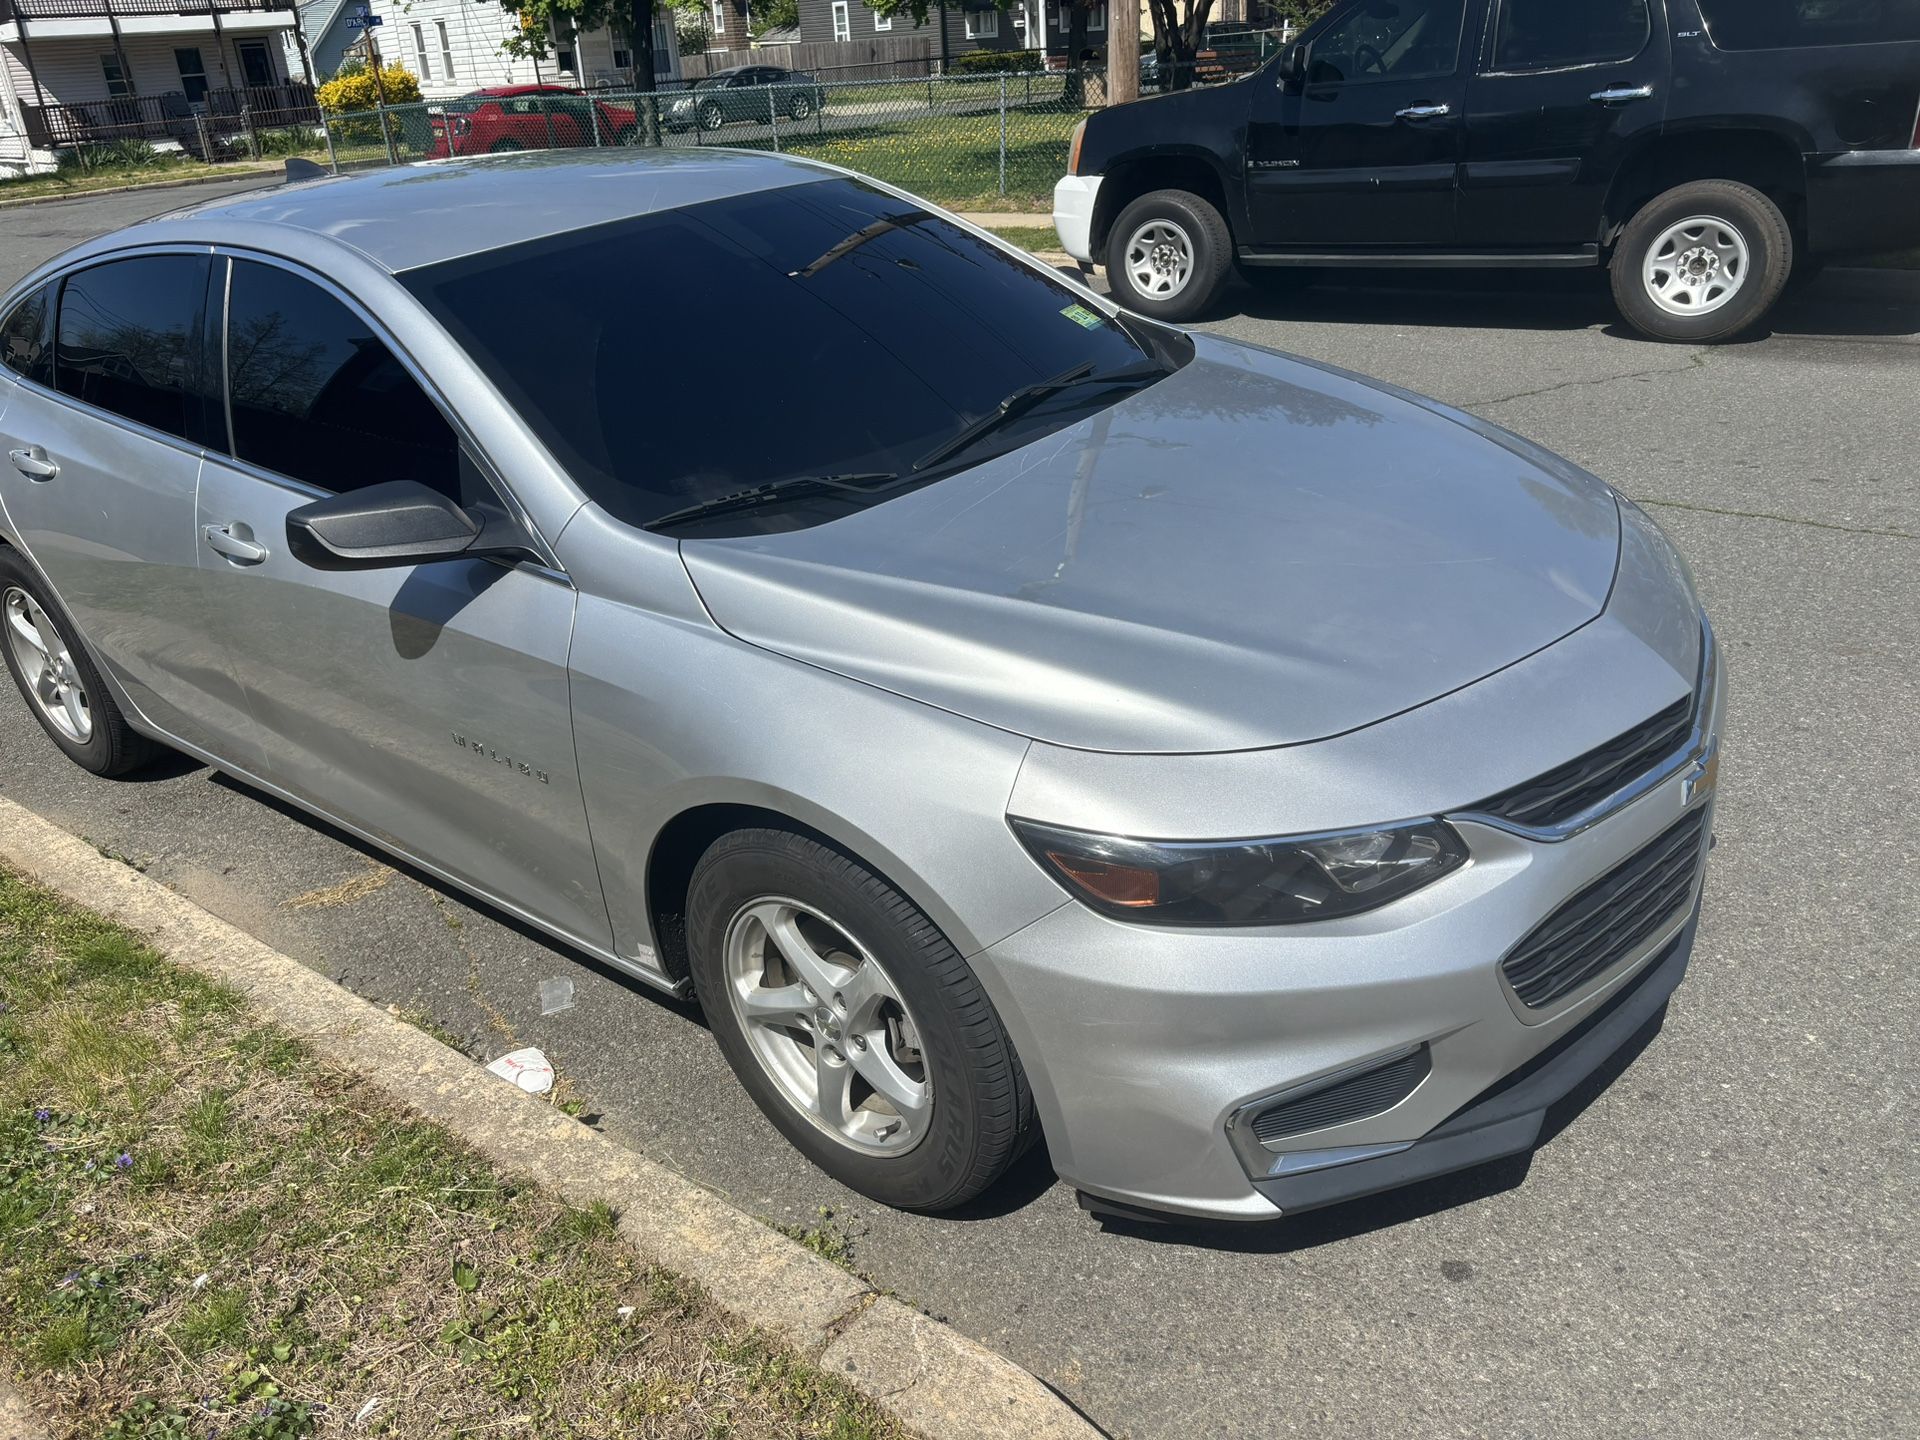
(394, 524)
(1293, 64)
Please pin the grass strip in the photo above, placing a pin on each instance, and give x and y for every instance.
(207, 1230)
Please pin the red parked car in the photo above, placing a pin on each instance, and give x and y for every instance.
(526, 117)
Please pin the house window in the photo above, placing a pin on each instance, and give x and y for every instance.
(1097, 17)
(842, 27)
(719, 17)
(983, 24)
(193, 73)
(420, 54)
(117, 86)
(446, 50)
(882, 22)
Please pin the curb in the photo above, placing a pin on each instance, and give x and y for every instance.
(262, 170)
(926, 1375)
(17, 1422)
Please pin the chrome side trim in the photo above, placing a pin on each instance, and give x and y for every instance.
(1698, 749)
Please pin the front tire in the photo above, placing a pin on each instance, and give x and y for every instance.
(710, 116)
(1168, 255)
(799, 108)
(1702, 262)
(853, 1023)
(58, 680)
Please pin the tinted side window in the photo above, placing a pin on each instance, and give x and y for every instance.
(1783, 24)
(1398, 40)
(129, 339)
(317, 396)
(26, 337)
(1553, 34)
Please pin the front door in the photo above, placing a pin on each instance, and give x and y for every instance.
(1567, 89)
(427, 706)
(1362, 148)
(256, 66)
(103, 443)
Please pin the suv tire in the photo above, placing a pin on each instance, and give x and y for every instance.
(912, 1011)
(1702, 262)
(1168, 254)
(58, 679)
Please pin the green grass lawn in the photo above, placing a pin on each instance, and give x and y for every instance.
(955, 159)
(1029, 237)
(205, 1230)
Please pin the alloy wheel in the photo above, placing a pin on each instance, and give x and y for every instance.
(1696, 266)
(46, 664)
(828, 1026)
(710, 116)
(1159, 259)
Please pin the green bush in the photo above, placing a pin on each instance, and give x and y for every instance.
(345, 93)
(126, 154)
(997, 62)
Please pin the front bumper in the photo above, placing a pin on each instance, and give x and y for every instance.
(1147, 1044)
(1073, 201)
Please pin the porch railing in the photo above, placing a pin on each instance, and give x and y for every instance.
(173, 117)
(11, 10)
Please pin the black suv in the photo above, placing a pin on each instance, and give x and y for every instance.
(1695, 147)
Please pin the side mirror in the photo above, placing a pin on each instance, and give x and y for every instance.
(398, 523)
(1293, 64)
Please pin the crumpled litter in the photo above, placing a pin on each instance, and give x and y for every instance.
(528, 1068)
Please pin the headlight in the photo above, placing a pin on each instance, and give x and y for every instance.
(1245, 882)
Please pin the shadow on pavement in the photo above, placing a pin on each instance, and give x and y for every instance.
(1840, 302)
(1395, 1207)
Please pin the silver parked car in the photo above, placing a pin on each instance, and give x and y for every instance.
(1015, 719)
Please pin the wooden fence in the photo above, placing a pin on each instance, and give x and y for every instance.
(879, 57)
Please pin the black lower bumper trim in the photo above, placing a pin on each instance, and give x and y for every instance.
(1506, 1118)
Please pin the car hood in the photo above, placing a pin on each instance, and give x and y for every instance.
(1255, 551)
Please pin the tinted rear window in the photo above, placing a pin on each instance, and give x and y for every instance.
(129, 339)
(821, 329)
(1784, 24)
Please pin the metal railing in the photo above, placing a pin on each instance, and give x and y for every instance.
(225, 124)
(11, 10)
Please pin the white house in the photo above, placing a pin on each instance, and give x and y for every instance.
(453, 46)
(171, 72)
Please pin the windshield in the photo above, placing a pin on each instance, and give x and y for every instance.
(822, 329)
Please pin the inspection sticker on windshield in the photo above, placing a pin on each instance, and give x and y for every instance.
(1080, 315)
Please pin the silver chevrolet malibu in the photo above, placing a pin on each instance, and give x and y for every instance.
(1009, 717)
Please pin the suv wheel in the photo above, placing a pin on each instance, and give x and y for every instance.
(58, 680)
(1702, 262)
(800, 107)
(1167, 255)
(853, 1023)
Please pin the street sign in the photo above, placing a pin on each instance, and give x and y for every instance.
(365, 20)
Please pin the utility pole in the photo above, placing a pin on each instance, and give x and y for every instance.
(1123, 51)
(380, 97)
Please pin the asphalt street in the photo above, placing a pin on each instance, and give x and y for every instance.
(1717, 1243)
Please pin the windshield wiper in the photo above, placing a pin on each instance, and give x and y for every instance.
(1025, 398)
(790, 489)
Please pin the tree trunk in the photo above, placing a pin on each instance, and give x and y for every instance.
(641, 41)
(1076, 48)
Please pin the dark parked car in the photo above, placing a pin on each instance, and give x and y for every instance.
(747, 92)
(526, 117)
(1698, 148)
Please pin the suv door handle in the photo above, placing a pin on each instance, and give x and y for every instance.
(1621, 94)
(1424, 112)
(33, 463)
(234, 547)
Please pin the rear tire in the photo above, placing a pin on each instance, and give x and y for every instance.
(58, 679)
(505, 147)
(756, 897)
(1702, 263)
(799, 108)
(1168, 255)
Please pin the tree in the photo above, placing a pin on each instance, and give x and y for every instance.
(532, 38)
(776, 15)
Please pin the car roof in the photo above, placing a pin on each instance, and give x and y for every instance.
(414, 215)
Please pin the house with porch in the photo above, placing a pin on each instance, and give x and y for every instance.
(453, 46)
(186, 74)
(967, 25)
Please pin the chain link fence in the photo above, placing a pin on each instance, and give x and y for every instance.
(973, 140)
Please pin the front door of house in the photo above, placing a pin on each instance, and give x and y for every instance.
(255, 64)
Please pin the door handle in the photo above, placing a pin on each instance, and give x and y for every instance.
(1621, 94)
(234, 547)
(1424, 112)
(33, 463)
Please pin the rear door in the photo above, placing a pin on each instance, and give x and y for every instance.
(103, 440)
(426, 705)
(1565, 91)
(1363, 149)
